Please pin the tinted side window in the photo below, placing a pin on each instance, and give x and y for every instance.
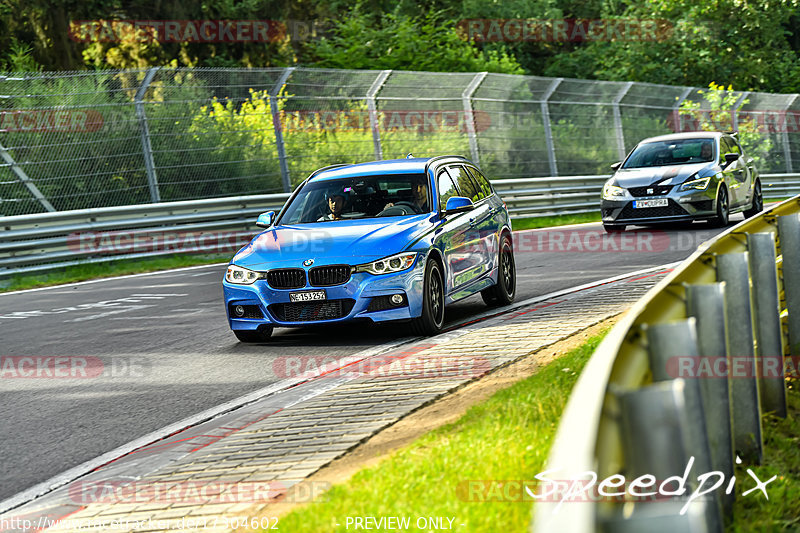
(447, 189)
(465, 184)
(482, 181)
(734, 146)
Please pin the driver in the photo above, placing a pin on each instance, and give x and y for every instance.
(705, 152)
(419, 191)
(335, 206)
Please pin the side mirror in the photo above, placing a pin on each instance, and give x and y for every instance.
(265, 219)
(730, 158)
(616, 166)
(458, 204)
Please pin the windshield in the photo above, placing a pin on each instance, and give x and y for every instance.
(680, 152)
(357, 197)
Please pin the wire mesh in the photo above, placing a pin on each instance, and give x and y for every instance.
(72, 140)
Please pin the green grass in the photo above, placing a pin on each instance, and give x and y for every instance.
(108, 269)
(558, 220)
(781, 458)
(506, 437)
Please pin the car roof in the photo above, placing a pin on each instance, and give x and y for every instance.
(387, 166)
(684, 136)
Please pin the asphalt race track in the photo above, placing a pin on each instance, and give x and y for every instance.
(166, 353)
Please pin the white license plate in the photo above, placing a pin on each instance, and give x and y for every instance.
(658, 202)
(307, 296)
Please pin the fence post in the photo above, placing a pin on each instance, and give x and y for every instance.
(144, 129)
(469, 118)
(733, 269)
(618, 120)
(548, 133)
(787, 151)
(25, 180)
(373, 113)
(676, 109)
(706, 304)
(789, 240)
(736, 106)
(276, 124)
(767, 319)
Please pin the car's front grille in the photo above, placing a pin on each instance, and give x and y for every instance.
(312, 311)
(651, 190)
(671, 210)
(326, 276)
(287, 278)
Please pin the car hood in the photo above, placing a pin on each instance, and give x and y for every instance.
(666, 175)
(328, 243)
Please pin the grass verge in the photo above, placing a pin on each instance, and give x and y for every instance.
(782, 459)
(107, 269)
(507, 437)
(558, 220)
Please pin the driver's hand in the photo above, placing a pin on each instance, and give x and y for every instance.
(387, 206)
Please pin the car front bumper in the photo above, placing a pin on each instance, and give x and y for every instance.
(682, 206)
(358, 298)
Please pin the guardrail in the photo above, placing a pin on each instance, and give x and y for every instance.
(46, 241)
(643, 407)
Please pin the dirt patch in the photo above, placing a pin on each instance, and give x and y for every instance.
(442, 411)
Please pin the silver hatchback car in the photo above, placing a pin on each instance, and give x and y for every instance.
(681, 178)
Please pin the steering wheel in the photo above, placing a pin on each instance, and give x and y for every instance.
(412, 205)
(399, 209)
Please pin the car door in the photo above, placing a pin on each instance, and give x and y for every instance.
(745, 164)
(490, 224)
(735, 173)
(453, 233)
(478, 259)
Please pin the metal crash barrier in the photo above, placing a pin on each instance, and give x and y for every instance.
(46, 241)
(676, 391)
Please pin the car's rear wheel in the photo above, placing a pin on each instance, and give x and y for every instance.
(504, 291)
(262, 334)
(613, 228)
(431, 321)
(758, 202)
(723, 209)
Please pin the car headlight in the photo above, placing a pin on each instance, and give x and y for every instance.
(612, 192)
(241, 276)
(394, 263)
(699, 185)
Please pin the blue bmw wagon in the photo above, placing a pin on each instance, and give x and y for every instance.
(386, 240)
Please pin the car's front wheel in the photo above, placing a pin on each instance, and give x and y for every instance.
(431, 321)
(262, 334)
(503, 293)
(757, 204)
(723, 209)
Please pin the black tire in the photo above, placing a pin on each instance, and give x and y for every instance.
(503, 293)
(614, 228)
(262, 334)
(758, 202)
(723, 209)
(431, 321)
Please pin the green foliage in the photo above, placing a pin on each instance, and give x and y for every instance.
(716, 115)
(396, 41)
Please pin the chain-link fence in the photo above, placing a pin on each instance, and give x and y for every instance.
(93, 139)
